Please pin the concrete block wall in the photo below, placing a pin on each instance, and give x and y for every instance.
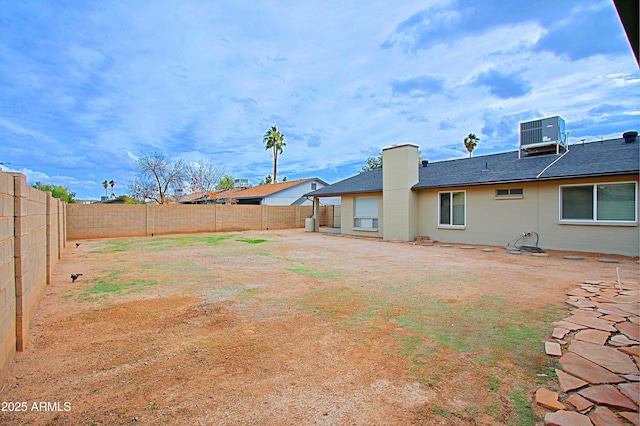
(125, 220)
(32, 232)
(7, 276)
(175, 218)
(106, 220)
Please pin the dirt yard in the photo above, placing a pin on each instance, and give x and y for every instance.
(289, 328)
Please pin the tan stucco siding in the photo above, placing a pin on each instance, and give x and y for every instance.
(496, 221)
(347, 213)
(597, 238)
(488, 220)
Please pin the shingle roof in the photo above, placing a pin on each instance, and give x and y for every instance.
(610, 157)
(358, 184)
(601, 158)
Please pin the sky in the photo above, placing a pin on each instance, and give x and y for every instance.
(87, 87)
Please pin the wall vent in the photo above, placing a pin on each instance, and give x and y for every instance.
(543, 136)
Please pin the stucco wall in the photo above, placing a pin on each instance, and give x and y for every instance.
(494, 221)
(347, 212)
(30, 245)
(122, 220)
(400, 173)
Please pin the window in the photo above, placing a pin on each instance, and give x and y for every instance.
(510, 193)
(314, 186)
(366, 213)
(609, 202)
(452, 208)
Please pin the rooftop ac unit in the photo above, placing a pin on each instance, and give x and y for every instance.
(241, 183)
(543, 136)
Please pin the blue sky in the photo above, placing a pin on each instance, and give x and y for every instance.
(88, 86)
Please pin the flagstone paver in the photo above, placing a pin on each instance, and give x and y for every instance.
(548, 399)
(581, 403)
(569, 382)
(552, 349)
(586, 313)
(622, 340)
(587, 370)
(631, 350)
(605, 356)
(594, 336)
(613, 318)
(569, 325)
(582, 304)
(632, 331)
(595, 323)
(632, 417)
(559, 333)
(599, 339)
(608, 395)
(566, 418)
(632, 390)
(602, 416)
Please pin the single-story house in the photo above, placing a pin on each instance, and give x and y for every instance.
(287, 193)
(582, 197)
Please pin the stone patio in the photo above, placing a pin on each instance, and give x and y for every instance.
(598, 346)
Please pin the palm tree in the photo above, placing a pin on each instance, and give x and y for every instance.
(105, 185)
(470, 142)
(112, 183)
(274, 140)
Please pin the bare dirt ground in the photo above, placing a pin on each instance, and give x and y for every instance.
(288, 328)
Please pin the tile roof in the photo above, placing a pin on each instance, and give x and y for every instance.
(601, 158)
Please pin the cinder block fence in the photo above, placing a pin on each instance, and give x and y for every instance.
(32, 236)
(34, 229)
(131, 220)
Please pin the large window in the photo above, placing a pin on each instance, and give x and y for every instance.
(366, 213)
(452, 208)
(608, 202)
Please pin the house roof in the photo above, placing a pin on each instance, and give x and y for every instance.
(602, 158)
(202, 196)
(358, 184)
(272, 188)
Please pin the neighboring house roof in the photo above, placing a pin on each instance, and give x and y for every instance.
(220, 194)
(262, 191)
(602, 158)
(358, 184)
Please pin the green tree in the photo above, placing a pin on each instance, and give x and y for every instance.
(470, 142)
(227, 182)
(372, 163)
(265, 181)
(105, 185)
(156, 175)
(112, 183)
(274, 140)
(57, 191)
(126, 199)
